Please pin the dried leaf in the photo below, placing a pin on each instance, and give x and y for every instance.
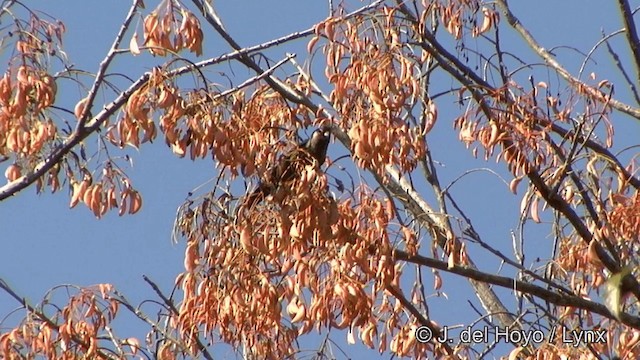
(79, 108)
(133, 44)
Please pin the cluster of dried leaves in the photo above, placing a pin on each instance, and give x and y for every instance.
(375, 85)
(288, 266)
(76, 329)
(522, 123)
(27, 91)
(625, 214)
(170, 28)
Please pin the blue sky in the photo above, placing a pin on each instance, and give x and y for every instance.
(44, 243)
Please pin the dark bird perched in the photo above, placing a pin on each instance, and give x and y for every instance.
(291, 164)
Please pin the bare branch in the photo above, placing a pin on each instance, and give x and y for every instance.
(542, 52)
(521, 286)
(632, 33)
(104, 65)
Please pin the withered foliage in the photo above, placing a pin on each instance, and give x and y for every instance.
(170, 28)
(27, 91)
(316, 254)
(376, 83)
(288, 266)
(71, 332)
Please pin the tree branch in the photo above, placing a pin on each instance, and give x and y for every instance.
(103, 67)
(169, 303)
(520, 286)
(109, 110)
(50, 323)
(542, 52)
(632, 35)
(397, 293)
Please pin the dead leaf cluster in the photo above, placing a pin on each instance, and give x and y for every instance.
(171, 27)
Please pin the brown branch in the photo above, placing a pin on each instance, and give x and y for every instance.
(93, 124)
(632, 35)
(253, 79)
(520, 286)
(427, 217)
(466, 76)
(397, 293)
(169, 303)
(604, 152)
(166, 337)
(82, 129)
(555, 201)
(549, 59)
(104, 65)
(469, 79)
(623, 71)
(286, 91)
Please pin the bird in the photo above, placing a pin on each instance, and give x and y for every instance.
(290, 165)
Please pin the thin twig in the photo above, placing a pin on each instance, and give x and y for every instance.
(169, 303)
(623, 71)
(254, 79)
(397, 293)
(104, 65)
(542, 52)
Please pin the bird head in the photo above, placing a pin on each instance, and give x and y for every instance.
(318, 143)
